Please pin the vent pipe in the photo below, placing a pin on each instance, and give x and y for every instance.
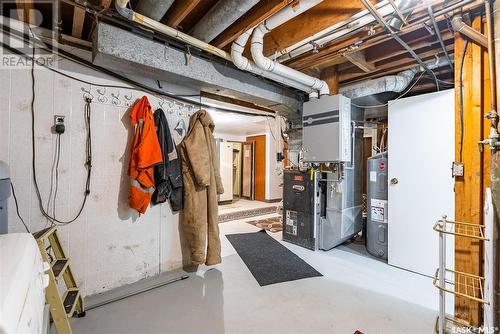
(395, 21)
(269, 65)
(460, 26)
(390, 83)
(245, 64)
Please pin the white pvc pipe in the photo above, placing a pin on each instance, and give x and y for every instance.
(269, 65)
(245, 64)
(121, 7)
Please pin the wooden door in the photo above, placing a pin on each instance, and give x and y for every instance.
(259, 180)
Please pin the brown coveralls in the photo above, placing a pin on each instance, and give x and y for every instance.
(202, 183)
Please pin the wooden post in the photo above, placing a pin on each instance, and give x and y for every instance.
(331, 76)
(469, 189)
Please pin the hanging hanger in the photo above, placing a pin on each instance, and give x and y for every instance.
(180, 128)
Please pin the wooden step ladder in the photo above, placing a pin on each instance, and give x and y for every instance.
(71, 303)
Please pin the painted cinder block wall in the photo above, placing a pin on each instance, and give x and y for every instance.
(109, 245)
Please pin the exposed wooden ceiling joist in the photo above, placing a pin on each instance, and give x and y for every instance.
(358, 58)
(259, 13)
(78, 21)
(392, 66)
(24, 11)
(179, 11)
(312, 21)
(105, 3)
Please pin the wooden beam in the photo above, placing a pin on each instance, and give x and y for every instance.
(358, 58)
(310, 22)
(234, 101)
(178, 12)
(25, 11)
(331, 76)
(105, 3)
(250, 19)
(393, 64)
(469, 190)
(78, 20)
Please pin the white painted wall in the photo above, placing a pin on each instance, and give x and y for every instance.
(109, 244)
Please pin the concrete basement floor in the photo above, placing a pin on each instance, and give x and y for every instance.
(356, 293)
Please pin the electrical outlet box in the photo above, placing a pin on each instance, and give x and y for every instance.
(58, 119)
(59, 124)
(457, 169)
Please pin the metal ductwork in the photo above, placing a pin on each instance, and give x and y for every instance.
(154, 9)
(270, 65)
(395, 21)
(390, 83)
(460, 26)
(219, 17)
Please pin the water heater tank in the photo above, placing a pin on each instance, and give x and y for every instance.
(376, 223)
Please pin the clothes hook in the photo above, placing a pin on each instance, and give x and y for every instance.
(87, 94)
(116, 98)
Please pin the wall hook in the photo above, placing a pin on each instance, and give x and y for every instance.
(87, 94)
(116, 98)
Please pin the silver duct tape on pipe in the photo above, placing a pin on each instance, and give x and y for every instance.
(221, 16)
(245, 64)
(390, 83)
(121, 7)
(154, 9)
(269, 65)
(459, 26)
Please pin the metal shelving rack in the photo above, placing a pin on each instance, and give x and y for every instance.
(451, 281)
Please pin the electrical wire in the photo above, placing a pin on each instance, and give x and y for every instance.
(88, 149)
(17, 207)
(461, 97)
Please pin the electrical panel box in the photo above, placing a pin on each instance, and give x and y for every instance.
(327, 129)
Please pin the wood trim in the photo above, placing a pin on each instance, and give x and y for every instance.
(259, 166)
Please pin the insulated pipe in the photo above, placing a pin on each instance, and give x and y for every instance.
(121, 7)
(154, 9)
(390, 83)
(395, 22)
(245, 64)
(459, 26)
(269, 65)
(219, 17)
(491, 62)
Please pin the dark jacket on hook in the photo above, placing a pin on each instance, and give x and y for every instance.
(168, 176)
